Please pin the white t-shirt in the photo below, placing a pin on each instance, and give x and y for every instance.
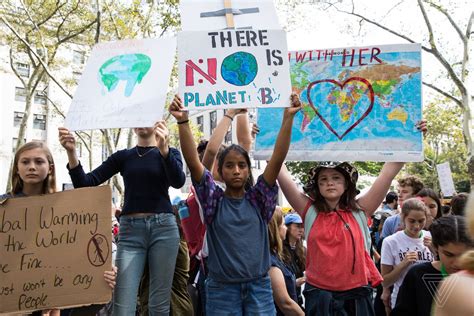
(395, 247)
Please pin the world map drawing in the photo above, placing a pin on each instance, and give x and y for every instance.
(367, 111)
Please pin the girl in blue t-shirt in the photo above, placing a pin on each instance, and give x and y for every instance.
(237, 219)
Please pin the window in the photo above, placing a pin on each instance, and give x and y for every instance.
(20, 94)
(78, 57)
(23, 69)
(41, 97)
(39, 121)
(200, 123)
(213, 121)
(17, 117)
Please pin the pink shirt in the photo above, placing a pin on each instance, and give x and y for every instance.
(330, 254)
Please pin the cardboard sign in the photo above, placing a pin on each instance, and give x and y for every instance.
(233, 69)
(445, 178)
(123, 85)
(55, 249)
(200, 15)
(359, 104)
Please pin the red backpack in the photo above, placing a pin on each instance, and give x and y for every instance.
(192, 224)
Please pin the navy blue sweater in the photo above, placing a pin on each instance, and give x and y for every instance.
(147, 178)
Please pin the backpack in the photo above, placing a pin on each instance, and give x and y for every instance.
(359, 215)
(192, 224)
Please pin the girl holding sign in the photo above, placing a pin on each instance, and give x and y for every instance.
(148, 228)
(34, 173)
(236, 220)
(339, 271)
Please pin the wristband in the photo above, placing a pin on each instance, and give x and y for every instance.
(183, 122)
(227, 115)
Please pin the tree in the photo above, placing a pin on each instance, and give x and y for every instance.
(36, 32)
(443, 143)
(113, 20)
(452, 50)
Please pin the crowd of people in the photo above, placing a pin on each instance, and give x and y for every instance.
(229, 249)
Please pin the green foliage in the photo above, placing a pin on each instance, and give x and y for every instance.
(444, 142)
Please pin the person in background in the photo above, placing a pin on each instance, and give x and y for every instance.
(432, 202)
(458, 203)
(404, 248)
(456, 290)
(450, 239)
(294, 253)
(283, 280)
(390, 204)
(408, 187)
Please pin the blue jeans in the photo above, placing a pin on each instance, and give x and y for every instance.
(235, 299)
(155, 237)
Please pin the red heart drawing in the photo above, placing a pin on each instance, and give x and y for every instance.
(341, 85)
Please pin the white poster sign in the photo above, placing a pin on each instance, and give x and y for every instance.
(445, 179)
(233, 69)
(199, 15)
(123, 85)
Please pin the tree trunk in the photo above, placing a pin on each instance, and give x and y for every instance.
(21, 133)
(468, 127)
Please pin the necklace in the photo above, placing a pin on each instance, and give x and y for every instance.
(145, 153)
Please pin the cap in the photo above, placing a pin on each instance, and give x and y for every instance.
(293, 218)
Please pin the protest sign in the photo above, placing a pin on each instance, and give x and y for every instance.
(124, 84)
(233, 69)
(55, 249)
(199, 15)
(445, 178)
(359, 104)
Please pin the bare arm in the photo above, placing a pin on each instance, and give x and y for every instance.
(297, 199)
(188, 147)
(392, 273)
(283, 142)
(370, 201)
(244, 136)
(217, 137)
(280, 294)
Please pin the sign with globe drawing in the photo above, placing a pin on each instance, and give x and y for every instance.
(233, 69)
(359, 104)
(124, 84)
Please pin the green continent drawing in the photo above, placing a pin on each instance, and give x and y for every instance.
(131, 68)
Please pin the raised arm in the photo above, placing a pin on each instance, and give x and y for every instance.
(188, 147)
(97, 176)
(244, 135)
(297, 199)
(68, 141)
(283, 142)
(217, 137)
(370, 201)
(171, 157)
